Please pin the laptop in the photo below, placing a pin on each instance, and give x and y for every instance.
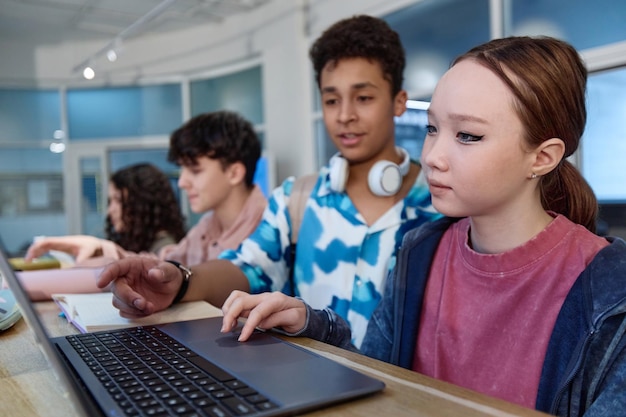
(265, 376)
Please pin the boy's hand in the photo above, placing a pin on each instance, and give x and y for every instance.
(141, 285)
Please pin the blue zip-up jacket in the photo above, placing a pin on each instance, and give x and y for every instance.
(584, 370)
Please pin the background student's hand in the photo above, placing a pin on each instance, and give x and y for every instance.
(266, 310)
(82, 247)
(141, 285)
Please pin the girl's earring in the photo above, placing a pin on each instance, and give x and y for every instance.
(533, 176)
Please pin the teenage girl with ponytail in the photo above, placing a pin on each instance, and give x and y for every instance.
(512, 294)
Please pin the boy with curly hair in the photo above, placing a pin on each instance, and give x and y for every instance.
(357, 212)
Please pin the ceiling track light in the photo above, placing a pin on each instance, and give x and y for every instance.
(112, 55)
(112, 49)
(88, 72)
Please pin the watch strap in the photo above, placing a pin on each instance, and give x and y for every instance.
(186, 272)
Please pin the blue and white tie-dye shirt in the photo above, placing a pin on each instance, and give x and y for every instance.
(341, 262)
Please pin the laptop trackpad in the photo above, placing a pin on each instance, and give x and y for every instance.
(260, 352)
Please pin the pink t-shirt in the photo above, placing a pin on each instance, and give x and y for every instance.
(207, 240)
(487, 318)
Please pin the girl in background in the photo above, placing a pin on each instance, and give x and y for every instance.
(143, 214)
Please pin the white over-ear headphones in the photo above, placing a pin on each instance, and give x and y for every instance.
(384, 178)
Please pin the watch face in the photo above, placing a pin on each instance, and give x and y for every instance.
(187, 272)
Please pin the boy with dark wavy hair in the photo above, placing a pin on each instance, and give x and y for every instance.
(218, 153)
(222, 135)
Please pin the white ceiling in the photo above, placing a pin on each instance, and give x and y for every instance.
(54, 21)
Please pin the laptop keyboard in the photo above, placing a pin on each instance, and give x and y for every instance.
(150, 374)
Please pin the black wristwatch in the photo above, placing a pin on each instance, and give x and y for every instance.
(185, 284)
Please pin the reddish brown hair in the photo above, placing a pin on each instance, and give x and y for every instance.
(548, 79)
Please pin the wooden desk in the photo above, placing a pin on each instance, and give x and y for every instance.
(29, 387)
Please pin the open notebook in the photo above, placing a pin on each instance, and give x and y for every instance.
(94, 312)
(190, 368)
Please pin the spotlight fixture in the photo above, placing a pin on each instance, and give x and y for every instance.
(88, 73)
(58, 144)
(58, 134)
(112, 55)
(57, 147)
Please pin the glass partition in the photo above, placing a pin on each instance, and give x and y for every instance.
(29, 115)
(123, 111)
(241, 92)
(585, 24)
(93, 197)
(31, 196)
(433, 33)
(604, 142)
